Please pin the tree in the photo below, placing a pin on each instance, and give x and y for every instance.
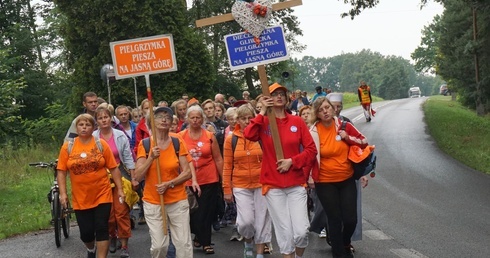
(425, 55)
(89, 26)
(10, 91)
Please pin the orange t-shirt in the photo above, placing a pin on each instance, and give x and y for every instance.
(202, 156)
(90, 185)
(334, 164)
(169, 169)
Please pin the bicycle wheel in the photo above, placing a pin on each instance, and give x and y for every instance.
(65, 221)
(57, 218)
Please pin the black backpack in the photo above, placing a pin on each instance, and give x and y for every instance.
(175, 141)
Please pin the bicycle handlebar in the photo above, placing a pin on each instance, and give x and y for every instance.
(44, 164)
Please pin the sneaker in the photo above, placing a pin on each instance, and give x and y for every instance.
(248, 253)
(112, 244)
(268, 248)
(323, 234)
(141, 221)
(91, 254)
(235, 236)
(216, 225)
(124, 252)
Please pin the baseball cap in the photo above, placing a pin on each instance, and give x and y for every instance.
(277, 86)
(164, 109)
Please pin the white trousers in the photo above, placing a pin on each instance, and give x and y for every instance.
(253, 218)
(178, 220)
(287, 207)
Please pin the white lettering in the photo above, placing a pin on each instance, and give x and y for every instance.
(162, 64)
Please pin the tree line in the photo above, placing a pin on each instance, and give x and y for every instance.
(52, 51)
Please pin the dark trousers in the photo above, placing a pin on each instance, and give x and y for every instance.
(339, 202)
(94, 223)
(205, 215)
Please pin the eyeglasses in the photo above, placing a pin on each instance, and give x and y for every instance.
(278, 93)
(162, 117)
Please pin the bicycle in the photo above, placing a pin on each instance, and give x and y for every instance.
(60, 218)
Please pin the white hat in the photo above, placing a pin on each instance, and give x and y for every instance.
(335, 97)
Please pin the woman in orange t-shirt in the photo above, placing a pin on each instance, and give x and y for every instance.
(174, 172)
(208, 164)
(91, 189)
(334, 184)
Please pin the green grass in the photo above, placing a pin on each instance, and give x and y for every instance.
(24, 206)
(459, 132)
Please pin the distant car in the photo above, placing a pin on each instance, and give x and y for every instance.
(414, 92)
(443, 90)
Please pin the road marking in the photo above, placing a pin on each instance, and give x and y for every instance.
(377, 235)
(407, 253)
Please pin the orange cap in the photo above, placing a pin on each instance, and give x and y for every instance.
(192, 102)
(356, 154)
(277, 86)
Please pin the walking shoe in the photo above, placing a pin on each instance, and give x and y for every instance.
(323, 234)
(216, 225)
(268, 248)
(112, 244)
(141, 220)
(235, 236)
(348, 252)
(248, 252)
(124, 252)
(91, 254)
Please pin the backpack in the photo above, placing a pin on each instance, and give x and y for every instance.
(234, 140)
(175, 141)
(97, 142)
(366, 166)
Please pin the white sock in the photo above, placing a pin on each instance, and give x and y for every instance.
(91, 250)
(248, 245)
(260, 256)
(297, 256)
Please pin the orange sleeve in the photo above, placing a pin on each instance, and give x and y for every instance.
(227, 165)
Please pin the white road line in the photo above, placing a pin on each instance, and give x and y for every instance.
(376, 235)
(407, 253)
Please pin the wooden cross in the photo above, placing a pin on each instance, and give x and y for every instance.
(261, 68)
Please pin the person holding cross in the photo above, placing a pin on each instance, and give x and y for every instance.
(283, 181)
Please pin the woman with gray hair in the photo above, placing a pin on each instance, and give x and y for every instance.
(204, 150)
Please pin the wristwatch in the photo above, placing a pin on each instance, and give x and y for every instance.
(171, 185)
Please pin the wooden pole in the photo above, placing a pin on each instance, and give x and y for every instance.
(270, 113)
(154, 136)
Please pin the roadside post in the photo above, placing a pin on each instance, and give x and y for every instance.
(145, 56)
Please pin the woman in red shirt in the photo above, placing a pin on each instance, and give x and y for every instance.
(208, 163)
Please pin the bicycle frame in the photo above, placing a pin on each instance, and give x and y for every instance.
(60, 216)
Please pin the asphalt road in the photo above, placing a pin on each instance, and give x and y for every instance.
(421, 203)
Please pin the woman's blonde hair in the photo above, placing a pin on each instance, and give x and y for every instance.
(244, 110)
(316, 106)
(85, 117)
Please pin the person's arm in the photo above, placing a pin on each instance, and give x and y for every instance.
(143, 163)
(359, 95)
(370, 99)
(227, 168)
(218, 160)
(61, 178)
(252, 131)
(353, 137)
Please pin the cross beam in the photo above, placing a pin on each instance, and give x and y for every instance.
(261, 68)
(229, 17)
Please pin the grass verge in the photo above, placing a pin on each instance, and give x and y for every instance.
(459, 132)
(24, 206)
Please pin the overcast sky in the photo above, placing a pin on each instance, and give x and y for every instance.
(392, 28)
